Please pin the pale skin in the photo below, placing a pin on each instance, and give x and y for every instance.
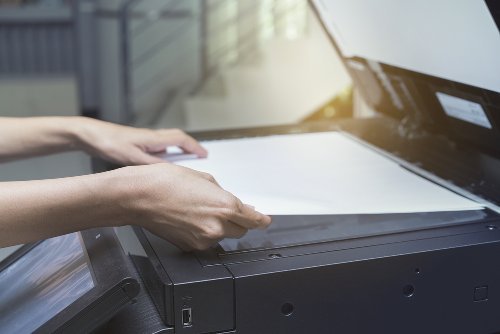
(184, 206)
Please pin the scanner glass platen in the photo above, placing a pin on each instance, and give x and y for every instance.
(298, 230)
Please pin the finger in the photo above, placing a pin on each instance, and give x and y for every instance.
(174, 137)
(138, 157)
(233, 231)
(208, 177)
(190, 145)
(247, 217)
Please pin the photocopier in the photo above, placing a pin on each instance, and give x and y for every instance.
(431, 71)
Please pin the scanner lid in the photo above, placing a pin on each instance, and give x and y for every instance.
(433, 63)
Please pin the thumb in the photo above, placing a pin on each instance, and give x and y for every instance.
(136, 156)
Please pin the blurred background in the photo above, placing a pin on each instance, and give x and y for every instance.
(191, 64)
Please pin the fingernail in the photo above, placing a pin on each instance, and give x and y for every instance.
(250, 206)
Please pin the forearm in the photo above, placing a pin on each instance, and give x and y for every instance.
(25, 137)
(34, 210)
(182, 205)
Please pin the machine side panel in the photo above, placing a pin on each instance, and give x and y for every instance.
(197, 299)
(447, 290)
(209, 306)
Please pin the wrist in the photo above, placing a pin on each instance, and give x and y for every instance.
(55, 132)
(126, 194)
(79, 130)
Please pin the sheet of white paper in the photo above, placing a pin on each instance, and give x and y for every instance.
(320, 173)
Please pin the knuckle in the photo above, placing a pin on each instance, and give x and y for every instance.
(222, 214)
(227, 205)
(213, 232)
(208, 176)
(238, 205)
(232, 203)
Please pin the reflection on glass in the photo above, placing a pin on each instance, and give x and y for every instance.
(299, 230)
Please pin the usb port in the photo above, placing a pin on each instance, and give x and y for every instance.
(187, 317)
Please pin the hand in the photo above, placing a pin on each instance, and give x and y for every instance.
(132, 146)
(187, 207)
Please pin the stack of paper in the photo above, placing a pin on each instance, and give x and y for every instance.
(320, 173)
